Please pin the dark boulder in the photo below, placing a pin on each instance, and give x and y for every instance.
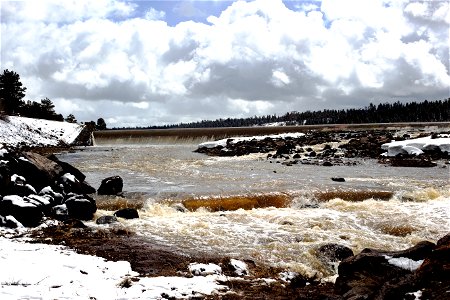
(103, 220)
(68, 183)
(389, 274)
(127, 213)
(338, 179)
(80, 207)
(19, 186)
(28, 211)
(68, 168)
(57, 198)
(38, 170)
(111, 186)
(5, 179)
(334, 252)
(9, 222)
(59, 212)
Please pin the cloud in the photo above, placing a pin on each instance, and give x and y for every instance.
(97, 59)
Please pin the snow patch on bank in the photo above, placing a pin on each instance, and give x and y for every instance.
(39, 271)
(416, 146)
(235, 140)
(37, 132)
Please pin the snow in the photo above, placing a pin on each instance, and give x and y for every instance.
(17, 130)
(69, 177)
(240, 267)
(38, 271)
(204, 269)
(235, 140)
(18, 201)
(416, 146)
(404, 263)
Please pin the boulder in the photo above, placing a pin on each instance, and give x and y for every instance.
(38, 170)
(80, 207)
(111, 186)
(70, 184)
(127, 213)
(68, 168)
(334, 252)
(57, 198)
(5, 179)
(103, 220)
(28, 211)
(60, 212)
(9, 222)
(387, 274)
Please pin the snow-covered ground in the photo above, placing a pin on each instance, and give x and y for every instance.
(243, 139)
(416, 146)
(37, 132)
(39, 271)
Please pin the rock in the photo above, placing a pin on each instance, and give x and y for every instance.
(338, 179)
(111, 186)
(327, 164)
(81, 207)
(57, 197)
(106, 220)
(70, 184)
(9, 222)
(414, 162)
(127, 213)
(5, 179)
(68, 168)
(38, 170)
(60, 212)
(334, 252)
(391, 274)
(74, 223)
(28, 211)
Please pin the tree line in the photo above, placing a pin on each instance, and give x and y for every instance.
(12, 93)
(425, 111)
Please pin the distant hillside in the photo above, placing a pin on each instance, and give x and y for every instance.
(426, 111)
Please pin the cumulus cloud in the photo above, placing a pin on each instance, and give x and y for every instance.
(97, 59)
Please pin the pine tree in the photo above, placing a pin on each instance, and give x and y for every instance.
(11, 91)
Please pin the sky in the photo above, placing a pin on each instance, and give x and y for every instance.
(143, 63)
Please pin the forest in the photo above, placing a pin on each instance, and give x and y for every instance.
(425, 111)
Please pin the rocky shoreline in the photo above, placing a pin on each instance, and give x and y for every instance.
(35, 188)
(328, 148)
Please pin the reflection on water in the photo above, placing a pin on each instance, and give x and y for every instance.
(165, 173)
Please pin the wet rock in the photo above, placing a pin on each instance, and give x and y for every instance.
(103, 220)
(415, 162)
(127, 213)
(111, 186)
(338, 179)
(334, 252)
(81, 207)
(327, 164)
(48, 191)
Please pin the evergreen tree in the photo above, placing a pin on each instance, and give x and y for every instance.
(11, 91)
(71, 119)
(101, 124)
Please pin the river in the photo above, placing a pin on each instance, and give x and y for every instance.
(162, 172)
